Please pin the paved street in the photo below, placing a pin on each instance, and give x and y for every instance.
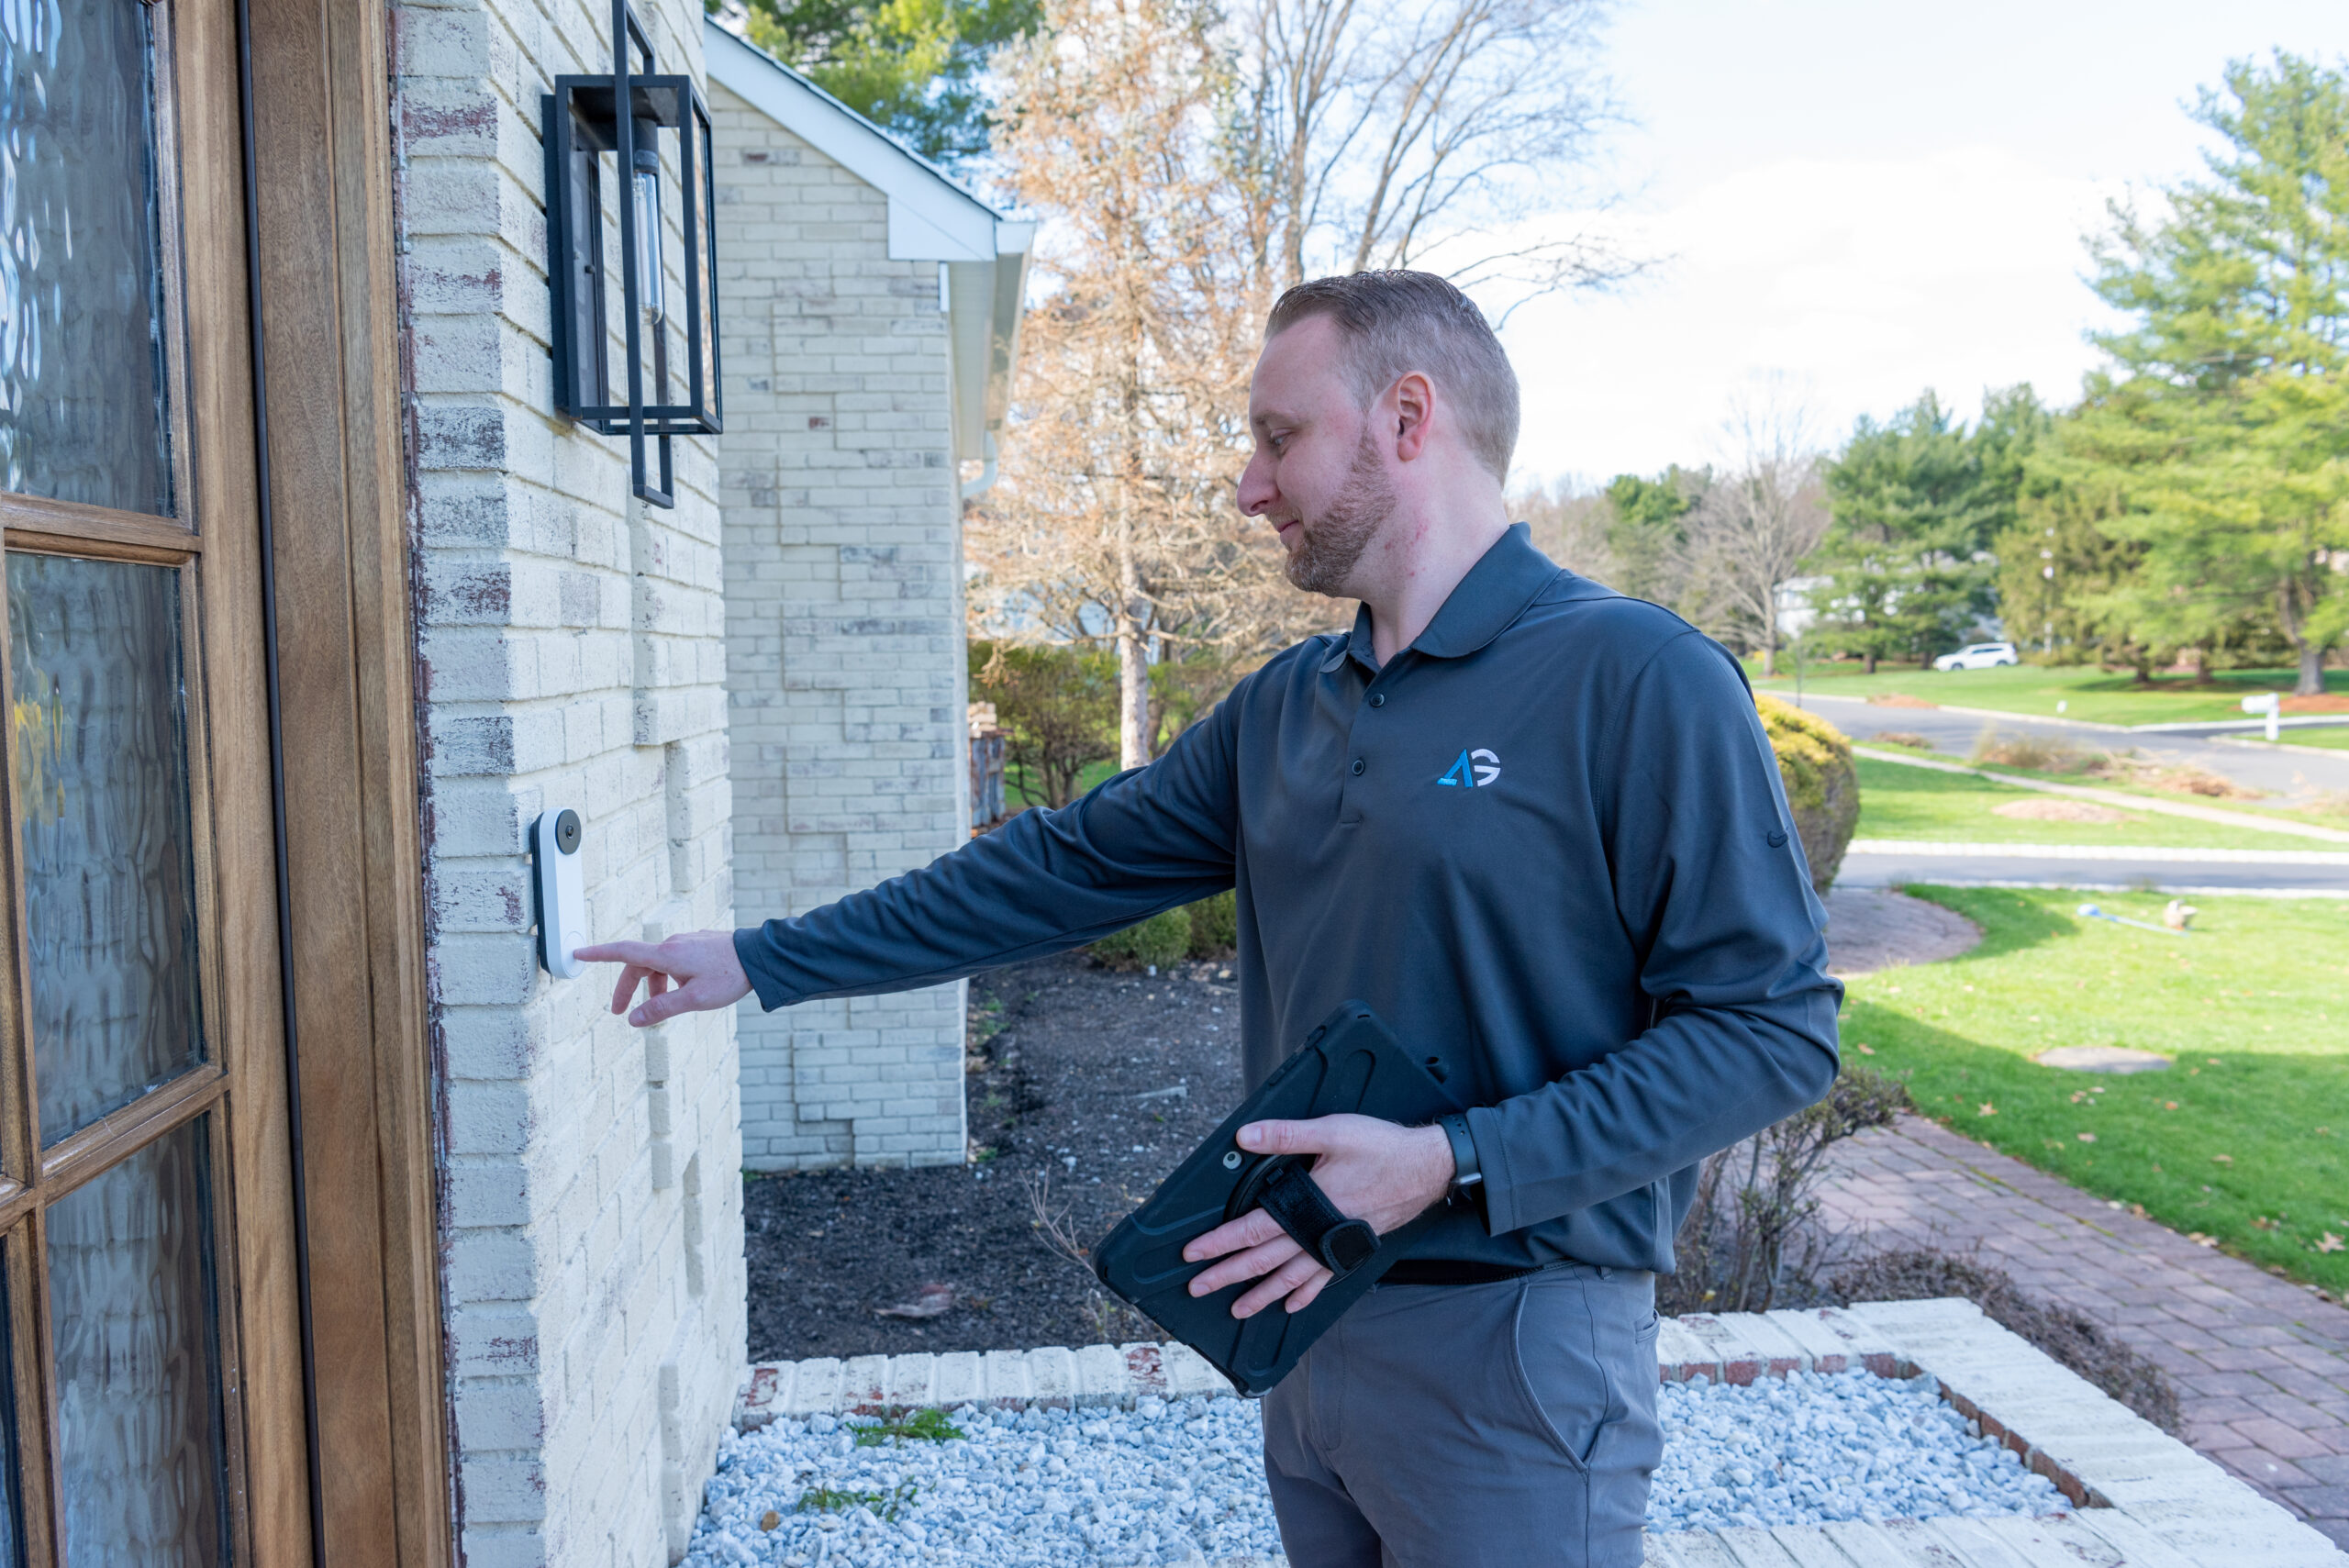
(2289, 774)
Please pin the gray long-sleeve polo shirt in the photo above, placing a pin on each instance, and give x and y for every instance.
(1548, 839)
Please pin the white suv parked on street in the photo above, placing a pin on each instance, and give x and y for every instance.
(1977, 656)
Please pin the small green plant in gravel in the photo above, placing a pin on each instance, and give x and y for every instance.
(886, 1505)
(929, 1426)
(2241, 1144)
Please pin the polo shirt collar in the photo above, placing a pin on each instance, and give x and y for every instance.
(1505, 579)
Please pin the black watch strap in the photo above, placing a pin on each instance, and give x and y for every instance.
(1297, 1204)
(1466, 1173)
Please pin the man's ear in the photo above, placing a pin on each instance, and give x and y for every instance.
(1413, 409)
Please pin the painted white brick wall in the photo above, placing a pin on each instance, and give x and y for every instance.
(572, 654)
(845, 666)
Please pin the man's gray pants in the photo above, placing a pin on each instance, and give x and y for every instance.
(1510, 1424)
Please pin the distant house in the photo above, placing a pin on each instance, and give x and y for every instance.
(873, 310)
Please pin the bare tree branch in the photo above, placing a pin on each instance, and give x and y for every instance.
(1113, 520)
(1758, 521)
(1398, 135)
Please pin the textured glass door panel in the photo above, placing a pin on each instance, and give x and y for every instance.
(133, 1315)
(97, 713)
(83, 387)
(11, 1546)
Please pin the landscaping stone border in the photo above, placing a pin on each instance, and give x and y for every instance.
(2144, 1499)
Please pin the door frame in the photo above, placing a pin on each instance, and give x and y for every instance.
(326, 361)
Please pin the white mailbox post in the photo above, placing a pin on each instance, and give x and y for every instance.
(2270, 704)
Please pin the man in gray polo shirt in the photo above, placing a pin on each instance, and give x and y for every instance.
(1518, 814)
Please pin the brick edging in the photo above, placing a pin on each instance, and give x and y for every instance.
(1091, 1375)
(1729, 1347)
(2137, 1487)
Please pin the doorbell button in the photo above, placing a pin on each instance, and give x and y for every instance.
(560, 883)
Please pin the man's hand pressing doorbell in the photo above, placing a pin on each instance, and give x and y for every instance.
(691, 971)
(562, 893)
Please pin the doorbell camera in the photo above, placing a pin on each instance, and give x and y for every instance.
(562, 894)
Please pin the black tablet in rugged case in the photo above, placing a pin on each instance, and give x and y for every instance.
(1351, 1062)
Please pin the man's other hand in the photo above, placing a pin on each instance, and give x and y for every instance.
(1371, 1170)
(690, 973)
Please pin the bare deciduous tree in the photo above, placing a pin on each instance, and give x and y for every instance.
(1183, 181)
(1569, 525)
(1423, 133)
(1113, 521)
(1765, 511)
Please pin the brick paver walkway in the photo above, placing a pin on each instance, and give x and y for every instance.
(2262, 1365)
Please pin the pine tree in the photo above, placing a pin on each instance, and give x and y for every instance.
(1647, 533)
(1915, 503)
(1113, 522)
(2223, 425)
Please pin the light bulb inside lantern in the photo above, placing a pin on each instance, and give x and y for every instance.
(649, 271)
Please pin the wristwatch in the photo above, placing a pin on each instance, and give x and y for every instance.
(1468, 1179)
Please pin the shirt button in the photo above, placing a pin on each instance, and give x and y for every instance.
(1378, 699)
(1357, 767)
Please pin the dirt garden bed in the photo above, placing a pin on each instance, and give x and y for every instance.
(1069, 1100)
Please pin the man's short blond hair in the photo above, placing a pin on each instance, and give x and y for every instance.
(1397, 322)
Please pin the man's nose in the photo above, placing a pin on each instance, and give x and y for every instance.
(1257, 490)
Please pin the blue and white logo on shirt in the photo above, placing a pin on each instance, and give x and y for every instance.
(1473, 770)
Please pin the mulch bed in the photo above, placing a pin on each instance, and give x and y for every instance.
(1063, 1105)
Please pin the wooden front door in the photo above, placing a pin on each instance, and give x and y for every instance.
(152, 1406)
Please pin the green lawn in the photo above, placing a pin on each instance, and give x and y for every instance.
(2247, 808)
(2331, 737)
(2245, 1140)
(2087, 692)
(1901, 802)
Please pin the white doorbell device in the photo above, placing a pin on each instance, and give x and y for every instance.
(562, 893)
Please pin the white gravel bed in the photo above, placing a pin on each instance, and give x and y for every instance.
(1809, 1449)
(1158, 1483)
(1184, 1482)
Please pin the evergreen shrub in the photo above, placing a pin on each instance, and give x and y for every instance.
(1822, 785)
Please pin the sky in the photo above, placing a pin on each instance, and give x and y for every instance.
(1855, 200)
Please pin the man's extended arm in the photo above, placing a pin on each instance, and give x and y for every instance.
(1146, 840)
(1709, 881)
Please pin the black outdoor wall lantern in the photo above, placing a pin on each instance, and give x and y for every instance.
(585, 128)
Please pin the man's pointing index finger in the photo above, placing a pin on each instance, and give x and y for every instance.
(646, 953)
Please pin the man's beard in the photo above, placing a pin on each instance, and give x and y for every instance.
(1329, 546)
